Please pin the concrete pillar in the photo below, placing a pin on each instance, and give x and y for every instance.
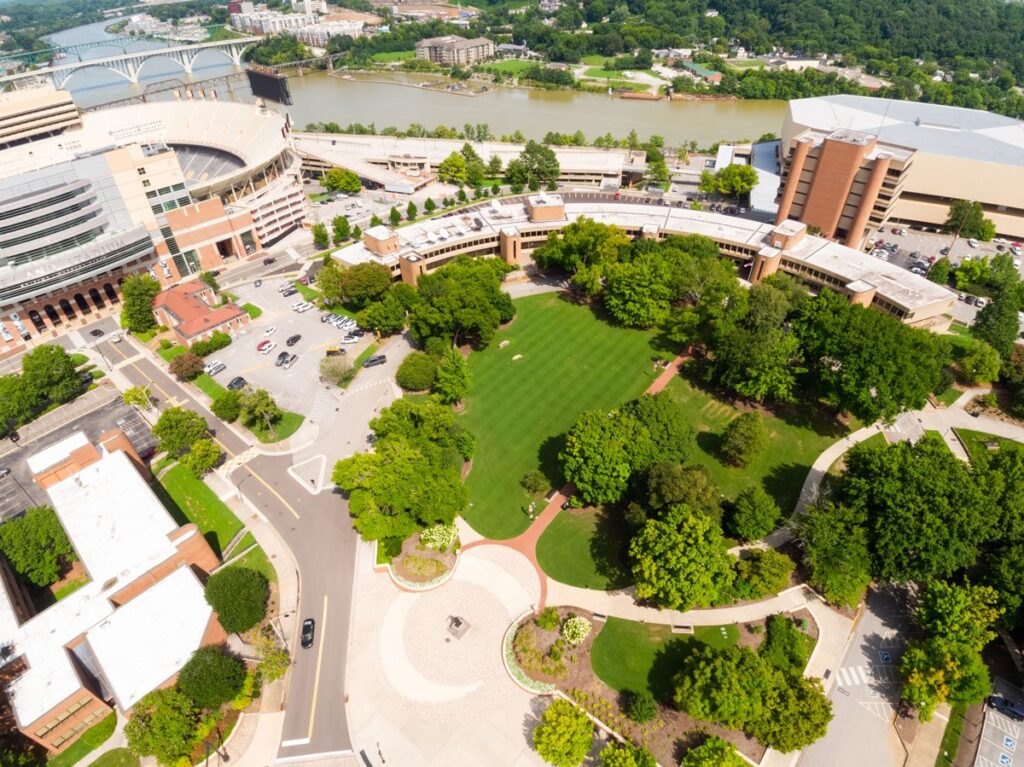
(868, 199)
(796, 167)
(510, 245)
(764, 266)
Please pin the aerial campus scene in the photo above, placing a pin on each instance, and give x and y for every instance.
(590, 383)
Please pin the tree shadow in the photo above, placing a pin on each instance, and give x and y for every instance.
(550, 463)
(667, 661)
(609, 549)
(710, 443)
(686, 743)
(784, 483)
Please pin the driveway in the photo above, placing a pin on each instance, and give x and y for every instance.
(866, 692)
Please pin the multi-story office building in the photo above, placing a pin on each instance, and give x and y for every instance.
(852, 163)
(452, 49)
(36, 112)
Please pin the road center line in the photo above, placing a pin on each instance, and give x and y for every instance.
(319, 663)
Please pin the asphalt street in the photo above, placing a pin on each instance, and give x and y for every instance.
(317, 530)
(866, 692)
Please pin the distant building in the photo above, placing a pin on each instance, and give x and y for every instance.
(192, 312)
(512, 49)
(133, 625)
(452, 49)
(700, 72)
(34, 113)
(271, 22)
(319, 35)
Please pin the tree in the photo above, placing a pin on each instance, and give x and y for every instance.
(186, 366)
(49, 375)
(801, 714)
(36, 546)
(386, 317)
(375, 220)
(429, 205)
(137, 396)
(239, 597)
(395, 217)
(320, 238)
(211, 677)
(961, 614)
(537, 164)
(178, 429)
(163, 725)
(636, 294)
(417, 372)
(210, 280)
(713, 752)
(939, 273)
(835, 544)
(17, 403)
(333, 369)
(358, 286)
(680, 561)
(452, 379)
(564, 735)
(452, 169)
(980, 363)
(274, 659)
(671, 436)
(672, 484)
(201, 457)
(599, 454)
(997, 323)
(463, 301)
(341, 230)
(137, 294)
(736, 180)
(1005, 575)
(760, 363)
(584, 242)
(967, 219)
(754, 514)
(935, 670)
(227, 406)
(257, 406)
(761, 573)
(410, 211)
(341, 180)
(641, 706)
(707, 183)
(744, 438)
(494, 166)
(725, 686)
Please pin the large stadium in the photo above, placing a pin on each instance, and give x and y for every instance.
(170, 187)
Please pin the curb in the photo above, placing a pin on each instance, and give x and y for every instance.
(508, 660)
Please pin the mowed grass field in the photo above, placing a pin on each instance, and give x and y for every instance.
(520, 410)
(510, 66)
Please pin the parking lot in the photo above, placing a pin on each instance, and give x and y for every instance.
(294, 388)
(1000, 744)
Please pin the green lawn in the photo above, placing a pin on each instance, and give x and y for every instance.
(520, 410)
(215, 35)
(594, 60)
(78, 359)
(391, 56)
(91, 739)
(949, 396)
(308, 293)
(286, 427)
(628, 655)
(951, 736)
(244, 542)
(605, 74)
(69, 588)
(585, 550)
(357, 365)
(191, 500)
(211, 388)
(257, 560)
(118, 757)
(744, 64)
(798, 436)
(977, 442)
(252, 310)
(171, 352)
(510, 66)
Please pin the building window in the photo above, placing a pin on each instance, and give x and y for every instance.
(145, 182)
(142, 171)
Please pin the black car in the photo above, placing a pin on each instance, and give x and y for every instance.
(236, 383)
(14, 436)
(373, 362)
(308, 627)
(268, 261)
(292, 340)
(282, 358)
(289, 292)
(1005, 707)
(945, 251)
(95, 332)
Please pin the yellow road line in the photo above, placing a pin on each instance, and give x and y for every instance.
(319, 663)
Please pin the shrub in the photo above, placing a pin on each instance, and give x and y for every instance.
(163, 724)
(439, 537)
(227, 406)
(165, 343)
(641, 706)
(534, 482)
(785, 647)
(436, 346)
(754, 514)
(211, 677)
(575, 630)
(762, 572)
(218, 340)
(556, 649)
(548, 619)
(713, 752)
(333, 369)
(186, 366)
(201, 457)
(417, 372)
(744, 439)
(239, 596)
(564, 736)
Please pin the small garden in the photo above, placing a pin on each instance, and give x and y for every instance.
(424, 557)
(640, 679)
(41, 556)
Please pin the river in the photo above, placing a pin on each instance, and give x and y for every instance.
(320, 97)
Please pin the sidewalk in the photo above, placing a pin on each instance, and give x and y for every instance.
(928, 740)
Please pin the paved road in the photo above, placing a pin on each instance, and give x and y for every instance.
(317, 530)
(866, 694)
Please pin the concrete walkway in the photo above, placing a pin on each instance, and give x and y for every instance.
(928, 740)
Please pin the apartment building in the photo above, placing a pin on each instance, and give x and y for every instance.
(452, 50)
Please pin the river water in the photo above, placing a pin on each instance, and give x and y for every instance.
(383, 100)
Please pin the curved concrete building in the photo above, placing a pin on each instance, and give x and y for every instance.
(854, 163)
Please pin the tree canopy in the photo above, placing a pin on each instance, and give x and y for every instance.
(137, 294)
(163, 725)
(211, 677)
(239, 597)
(564, 735)
(178, 429)
(341, 180)
(36, 546)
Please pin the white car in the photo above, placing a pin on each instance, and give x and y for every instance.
(269, 348)
(270, 331)
(302, 309)
(350, 340)
(214, 367)
(291, 361)
(972, 243)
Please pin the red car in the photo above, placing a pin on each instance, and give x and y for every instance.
(263, 345)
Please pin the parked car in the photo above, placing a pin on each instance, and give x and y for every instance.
(334, 351)
(269, 349)
(980, 302)
(291, 361)
(270, 331)
(281, 359)
(289, 293)
(4, 471)
(972, 243)
(213, 367)
(350, 340)
(263, 345)
(374, 361)
(257, 283)
(236, 383)
(95, 332)
(292, 340)
(304, 308)
(308, 630)
(1003, 706)
(945, 251)
(268, 261)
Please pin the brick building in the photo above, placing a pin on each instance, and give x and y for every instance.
(192, 312)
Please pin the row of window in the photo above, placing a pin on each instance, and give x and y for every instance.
(42, 204)
(59, 247)
(30, 236)
(181, 202)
